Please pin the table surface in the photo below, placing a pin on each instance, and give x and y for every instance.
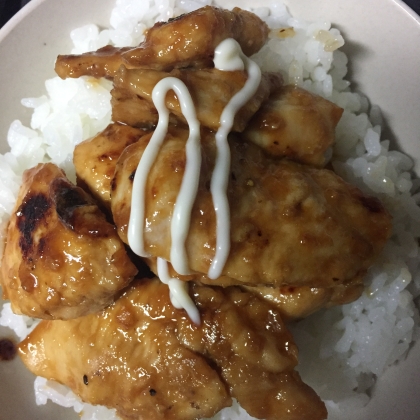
(9, 7)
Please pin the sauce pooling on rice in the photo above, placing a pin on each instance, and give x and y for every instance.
(228, 57)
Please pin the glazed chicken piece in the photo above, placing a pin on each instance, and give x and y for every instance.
(62, 259)
(210, 89)
(296, 124)
(130, 109)
(290, 224)
(186, 41)
(292, 302)
(149, 361)
(296, 303)
(95, 159)
(101, 63)
(190, 40)
(255, 353)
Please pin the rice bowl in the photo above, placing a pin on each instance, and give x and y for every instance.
(409, 133)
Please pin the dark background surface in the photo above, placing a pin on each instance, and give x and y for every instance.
(9, 7)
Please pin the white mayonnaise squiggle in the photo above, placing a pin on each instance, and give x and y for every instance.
(178, 291)
(182, 210)
(228, 57)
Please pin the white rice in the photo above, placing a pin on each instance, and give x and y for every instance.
(342, 350)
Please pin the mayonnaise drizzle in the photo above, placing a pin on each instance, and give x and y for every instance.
(228, 57)
(178, 291)
(182, 210)
(181, 217)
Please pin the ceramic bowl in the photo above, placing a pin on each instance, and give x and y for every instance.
(383, 42)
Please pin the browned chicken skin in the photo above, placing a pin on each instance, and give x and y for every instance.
(296, 124)
(149, 361)
(291, 224)
(62, 259)
(210, 89)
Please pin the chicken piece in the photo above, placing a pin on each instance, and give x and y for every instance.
(149, 361)
(295, 303)
(255, 353)
(292, 302)
(95, 159)
(222, 281)
(210, 89)
(296, 124)
(62, 259)
(186, 41)
(290, 224)
(101, 63)
(130, 109)
(190, 40)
